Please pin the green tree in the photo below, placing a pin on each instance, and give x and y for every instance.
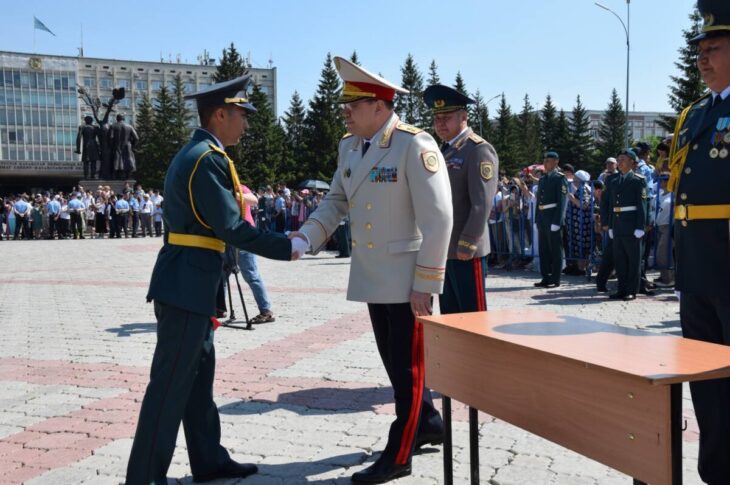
(581, 142)
(460, 85)
(165, 134)
(561, 140)
(324, 126)
(548, 120)
(479, 117)
(150, 171)
(258, 155)
(295, 144)
(688, 85)
(231, 65)
(433, 74)
(529, 149)
(410, 107)
(611, 129)
(505, 139)
(354, 59)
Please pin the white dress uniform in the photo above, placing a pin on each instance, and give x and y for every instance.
(398, 198)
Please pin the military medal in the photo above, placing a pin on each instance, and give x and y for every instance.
(723, 153)
(714, 153)
(726, 138)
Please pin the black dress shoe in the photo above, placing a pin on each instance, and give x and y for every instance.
(552, 285)
(232, 469)
(381, 472)
(617, 296)
(646, 292)
(541, 284)
(629, 297)
(432, 439)
(601, 289)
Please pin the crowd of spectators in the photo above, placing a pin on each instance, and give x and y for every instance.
(513, 232)
(82, 213)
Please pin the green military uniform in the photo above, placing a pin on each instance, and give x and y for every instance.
(201, 216)
(552, 194)
(699, 162)
(472, 165)
(627, 206)
(607, 263)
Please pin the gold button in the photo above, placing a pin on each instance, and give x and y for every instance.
(688, 170)
(371, 245)
(354, 243)
(695, 147)
(369, 226)
(352, 205)
(684, 223)
(368, 206)
(683, 196)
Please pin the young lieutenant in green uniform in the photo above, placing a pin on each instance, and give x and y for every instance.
(700, 178)
(203, 208)
(552, 195)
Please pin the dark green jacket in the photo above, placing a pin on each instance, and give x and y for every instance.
(188, 277)
(552, 189)
(631, 192)
(605, 209)
(703, 246)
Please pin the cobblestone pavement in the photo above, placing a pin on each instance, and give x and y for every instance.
(305, 397)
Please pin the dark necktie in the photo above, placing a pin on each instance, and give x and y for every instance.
(365, 147)
(716, 100)
(444, 146)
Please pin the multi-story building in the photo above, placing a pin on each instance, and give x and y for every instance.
(642, 124)
(40, 109)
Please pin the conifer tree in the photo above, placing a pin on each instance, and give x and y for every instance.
(561, 142)
(548, 120)
(581, 142)
(149, 168)
(460, 85)
(688, 86)
(505, 138)
(410, 107)
(433, 75)
(611, 129)
(231, 65)
(294, 144)
(354, 58)
(529, 148)
(479, 117)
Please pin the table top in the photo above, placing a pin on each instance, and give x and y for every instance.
(659, 358)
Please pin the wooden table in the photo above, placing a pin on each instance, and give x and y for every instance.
(607, 392)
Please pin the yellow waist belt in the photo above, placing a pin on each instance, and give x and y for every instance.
(696, 212)
(195, 241)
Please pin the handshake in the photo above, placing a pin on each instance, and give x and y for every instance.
(299, 244)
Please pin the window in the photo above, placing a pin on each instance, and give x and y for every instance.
(123, 83)
(188, 87)
(89, 82)
(141, 85)
(156, 85)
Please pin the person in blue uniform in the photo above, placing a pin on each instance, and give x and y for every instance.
(472, 165)
(699, 158)
(202, 215)
(552, 195)
(627, 209)
(75, 208)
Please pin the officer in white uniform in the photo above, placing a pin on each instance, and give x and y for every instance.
(392, 181)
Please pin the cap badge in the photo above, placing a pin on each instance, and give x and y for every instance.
(439, 103)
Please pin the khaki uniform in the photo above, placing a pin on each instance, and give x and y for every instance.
(398, 198)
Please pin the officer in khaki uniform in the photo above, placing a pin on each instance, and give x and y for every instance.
(392, 182)
(552, 193)
(700, 177)
(202, 214)
(627, 209)
(472, 165)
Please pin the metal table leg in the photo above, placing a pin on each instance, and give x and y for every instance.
(448, 458)
(474, 444)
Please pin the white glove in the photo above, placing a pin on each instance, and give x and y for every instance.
(554, 228)
(298, 247)
(638, 233)
(610, 233)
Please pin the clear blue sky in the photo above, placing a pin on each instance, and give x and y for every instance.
(561, 47)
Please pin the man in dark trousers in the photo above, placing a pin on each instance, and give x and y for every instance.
(700, 178)
(607, 264)
(87, 146)
(123, 138)
(552, 195)
(472, 165)
(627, 207)
(202, 215)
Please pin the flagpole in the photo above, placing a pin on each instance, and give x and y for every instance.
(34, 29)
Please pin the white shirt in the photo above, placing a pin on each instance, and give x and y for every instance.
(217, 141)
(147, 207)
(451, 142)
(665, 205)
(723, 94)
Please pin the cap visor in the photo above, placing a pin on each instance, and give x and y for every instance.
(246, 106)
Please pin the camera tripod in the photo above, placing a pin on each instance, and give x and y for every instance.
(230, 266)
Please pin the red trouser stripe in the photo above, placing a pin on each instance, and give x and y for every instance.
(417, 373)
(479, 285)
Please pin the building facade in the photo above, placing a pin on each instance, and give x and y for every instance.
(40, 109)
(642, 124)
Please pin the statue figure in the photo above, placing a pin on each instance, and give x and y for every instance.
(123, 137)
(103, 131)
(87, 146)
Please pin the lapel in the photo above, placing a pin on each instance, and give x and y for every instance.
(708, 116)
(458, 143)
(379, 148)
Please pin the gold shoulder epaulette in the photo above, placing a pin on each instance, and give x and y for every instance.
(346, 135)
(408, 128)
(216, 148)
(477, 139)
